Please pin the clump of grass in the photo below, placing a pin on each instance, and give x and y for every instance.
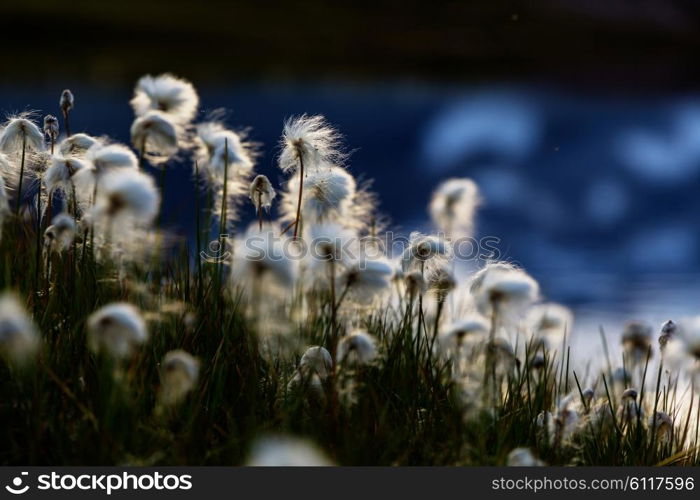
(309, 348)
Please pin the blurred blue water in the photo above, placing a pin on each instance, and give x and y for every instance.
(596, 195)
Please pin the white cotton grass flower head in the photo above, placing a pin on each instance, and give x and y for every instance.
(669, 330)
(179, 375)
(503, 289)
(662, 423)
(415, 283)
(468, 330)
(77, 144)
(454, 205)
(21, 130)
(116, 330)
(168, 94)
(104, 158)
(441, 281)
(60, 234)
(549, 322)
(218, 146)
(261, 264)
(19, 338)
(156, 136)
(60, 173)
(127, 193)
(358, 348)
(424, 250)
(309, 140)
(262, 193)
(523, 457)
(366, 279)
(285, 451)
(683, 350)
(314, 368)
(327, 242)
(328, 195)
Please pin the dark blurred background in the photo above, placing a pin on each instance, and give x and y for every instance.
(579, 119)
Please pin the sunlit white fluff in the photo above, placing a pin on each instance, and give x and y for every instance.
(366, 279)
(523, 457)
(116, 330)
(260, 262)
(77, 144)
(155, 135)
(19, 338)
(219, 146)
(669, 331)
(422, 249)
(329, 193)
(60, 234)
(311, 140)
(314, 368)
(128, 193)
(453, 206)
(549, 323)
(173, 96)
(441, 281)
(262, 193)
(415, 283)
(108, 157)
(179, 375)
(19, 130)
(464, 330)
(51, 128)
(503, 288)
(357, 348)
(60, 172)
(283, 451)
(67, 101)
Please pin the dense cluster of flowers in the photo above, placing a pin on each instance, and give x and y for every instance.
(92, 198)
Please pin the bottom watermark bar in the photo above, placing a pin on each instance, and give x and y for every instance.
(347, 482)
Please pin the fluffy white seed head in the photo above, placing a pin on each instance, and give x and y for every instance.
(262, 193)
(113, 156)
(549, 322)
(505, 287)
(424, 249)
(283, 451)
(357, 348)
(60, 172)
(328, 195)
(260, 262)
(459, 332)
(128, 193)
(77, 144)
(311, 140)
(116, 330)
(453, 206)
(60, 234)
(21, 130)
(317, 360)
(155, 135)
(366, 279)
(19, 338)
(441, 282)
(523, 457)
(168, 94)
(179, 375)
(636, 340)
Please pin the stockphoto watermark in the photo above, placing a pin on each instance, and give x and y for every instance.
(271, 246)
(107, 483)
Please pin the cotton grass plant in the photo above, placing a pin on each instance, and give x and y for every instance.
(302, 340)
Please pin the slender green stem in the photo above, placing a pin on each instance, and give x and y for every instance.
(301, 190)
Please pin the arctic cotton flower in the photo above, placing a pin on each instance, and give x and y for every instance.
(60, 234)
(19, 338)
(282, 451)
(128, 193)
(366, 279)
(51, 129)
(60, 172)
(77, 144)
(155, 135)
(523, 457)
(309, 142)
(357, 348)
(329, 193)
(18, 131)
(179, 375)
(504, 288)
(262, 193)
(459, 332)
(318, 360)
(424, 248)
(168, 94)
(108, 157)
(116, 330)
(453, 206)
(636, 340)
